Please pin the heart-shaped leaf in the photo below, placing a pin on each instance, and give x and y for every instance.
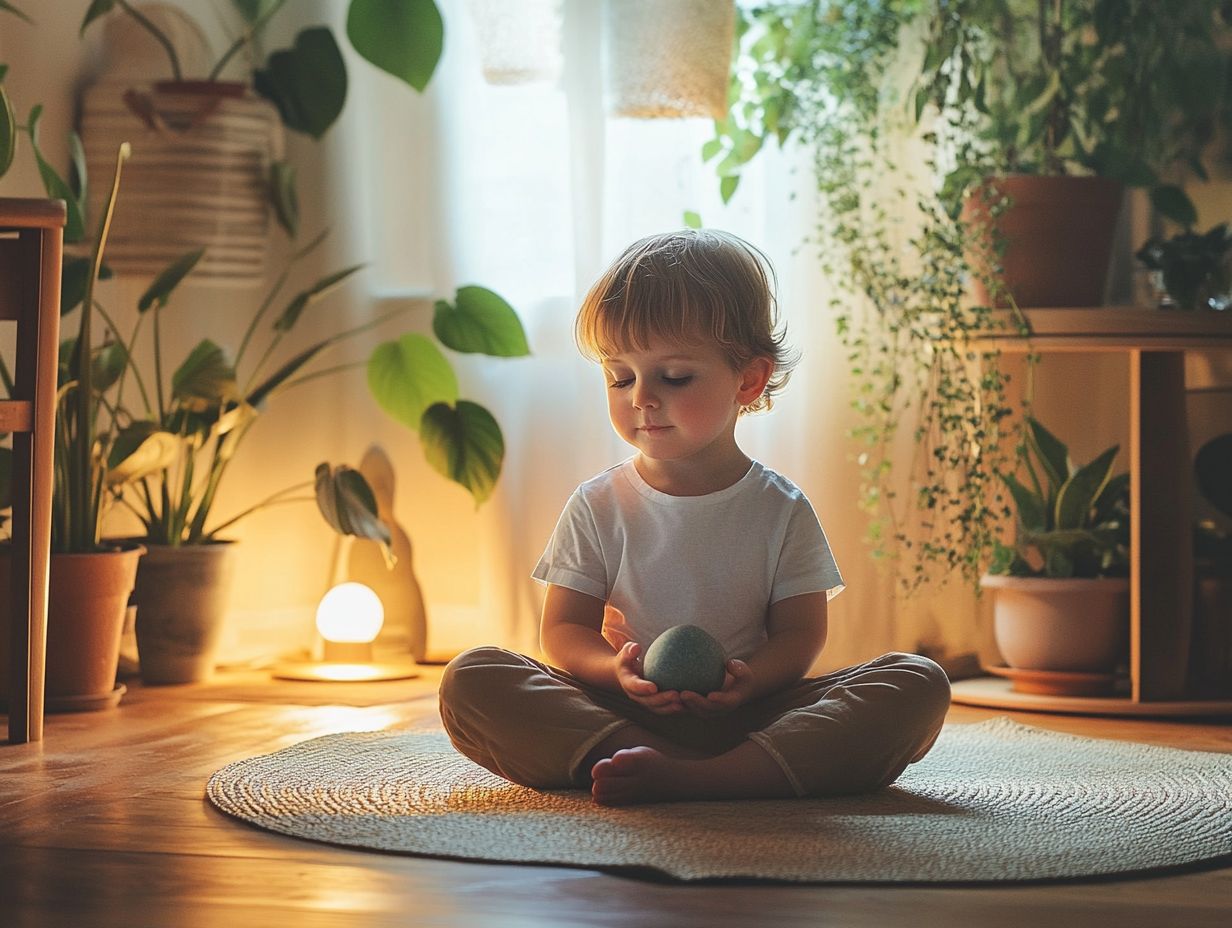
(464, 444)
(402, 37)
(140, 449)
(481, 321)
(409, 375)
(308, 83)
(205, 379)
(348, 504)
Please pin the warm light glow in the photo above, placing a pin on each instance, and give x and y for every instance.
(350, 613)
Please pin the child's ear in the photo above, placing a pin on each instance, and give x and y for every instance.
(753, 379)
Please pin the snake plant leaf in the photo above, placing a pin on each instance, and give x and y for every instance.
(1077, 496)
(402, 37)
(54, 184)
(1050, 452)
(205, 379)
(307, 83)
(73, 279)
(8, 131)
(283, 196)
(96, 10)
(6, 478)
(481, 321)
(140, 448)
(408, 376)
(464, 443)
(302, 300)
(348, 504)
(160, 290)
(1031, 510)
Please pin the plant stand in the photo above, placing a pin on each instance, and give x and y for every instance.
(1161, 551)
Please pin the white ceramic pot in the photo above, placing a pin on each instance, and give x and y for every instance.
(1068, 625)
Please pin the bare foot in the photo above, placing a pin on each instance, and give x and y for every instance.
(644, 774)
(633, 775)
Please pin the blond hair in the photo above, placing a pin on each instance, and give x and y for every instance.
(687, 287)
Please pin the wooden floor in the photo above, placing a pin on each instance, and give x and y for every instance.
(104, 824)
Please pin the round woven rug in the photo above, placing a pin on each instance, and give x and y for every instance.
(997, 801)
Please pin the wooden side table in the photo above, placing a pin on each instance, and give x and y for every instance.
(31, 240)
(1161, 494)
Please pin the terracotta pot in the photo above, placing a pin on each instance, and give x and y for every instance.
(1066, 625)
(1058, 233)
(87, 597)
(181, 597)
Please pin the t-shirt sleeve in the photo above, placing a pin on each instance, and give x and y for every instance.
(806, 564)
(574, 557)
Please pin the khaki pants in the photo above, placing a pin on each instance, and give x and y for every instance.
(851, 731)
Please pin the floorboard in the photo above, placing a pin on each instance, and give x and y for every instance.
(104, 824)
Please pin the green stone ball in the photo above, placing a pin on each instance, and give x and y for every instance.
(685, 657)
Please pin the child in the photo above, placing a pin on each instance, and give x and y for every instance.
(689, 530)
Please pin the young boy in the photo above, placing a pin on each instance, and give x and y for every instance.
(689, 530)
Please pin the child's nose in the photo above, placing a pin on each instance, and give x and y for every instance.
(644, 397)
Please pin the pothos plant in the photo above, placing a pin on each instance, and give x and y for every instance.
(971, 88)
(823, 74)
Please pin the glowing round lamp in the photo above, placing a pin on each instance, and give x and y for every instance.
(349, 617)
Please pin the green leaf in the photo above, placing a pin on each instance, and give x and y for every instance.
(97, 9)
(159, 292)
(692, 219)
(1077, 497)
(727, 187)
(1172, 203)
(1053, 455)
(481, 321)
(9, 8)
(1030, 507)
(74, 227)
(283, 196)
(140, 449)
(109, 363)
(205, 379)
(465, 445)
(409, 375)
(78, 177)
(711, 148)
(259, 393)
(73, 278)
(402, 37)
(347, 503)
(8, 132)
(305, 298)
(308, 83)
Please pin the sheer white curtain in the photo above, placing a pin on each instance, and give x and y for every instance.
(531, 190)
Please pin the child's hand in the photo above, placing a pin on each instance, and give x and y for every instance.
(737, 688)
(639, 689)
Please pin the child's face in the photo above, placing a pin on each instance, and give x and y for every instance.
(676, 402)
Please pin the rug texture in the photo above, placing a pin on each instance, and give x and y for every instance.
(996, 801)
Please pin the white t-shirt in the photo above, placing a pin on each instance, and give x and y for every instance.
(717, 561)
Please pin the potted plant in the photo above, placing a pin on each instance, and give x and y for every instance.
(1211, 646)
(907, 107)
(209, 160)
(1191, 270)
(1061, 593)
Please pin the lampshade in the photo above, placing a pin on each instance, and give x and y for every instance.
(668, 58)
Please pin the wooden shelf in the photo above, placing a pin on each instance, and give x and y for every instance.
(1161, 490)
(1115, 328)
(995, 693)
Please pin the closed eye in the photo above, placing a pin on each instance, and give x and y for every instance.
(620, 384)
(677, 381)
